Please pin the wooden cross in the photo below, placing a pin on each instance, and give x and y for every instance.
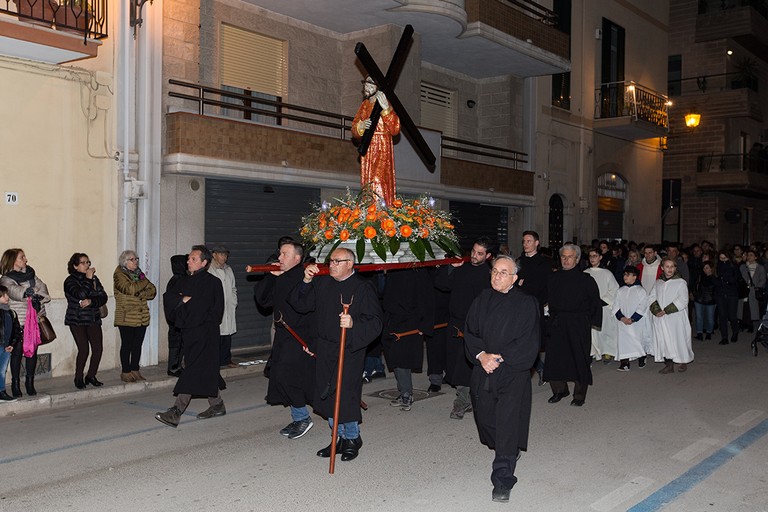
(386, 84)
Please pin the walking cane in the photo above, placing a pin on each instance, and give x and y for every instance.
(337, 404)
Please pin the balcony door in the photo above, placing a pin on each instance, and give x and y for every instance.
(612, 69)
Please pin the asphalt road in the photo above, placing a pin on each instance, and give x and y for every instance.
(689, 441)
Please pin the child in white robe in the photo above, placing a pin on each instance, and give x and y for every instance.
(630, 308)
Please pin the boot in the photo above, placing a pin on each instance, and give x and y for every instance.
(170, 417)
(16, 388)
(127, 377)
(137, 376)
(669, 367)
(29, 383)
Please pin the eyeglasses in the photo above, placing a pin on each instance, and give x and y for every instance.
(133, 259)
(502, 273)
(84, 263)
(338, 262)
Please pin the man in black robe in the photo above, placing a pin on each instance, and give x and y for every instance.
(574, 307)
(408, 306)
(464, 282)
(195, 304)
(292, 372)
(324, 295)
(502, 339)
(533, 273)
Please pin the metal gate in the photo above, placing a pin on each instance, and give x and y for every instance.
(475, 220)
(249, 218)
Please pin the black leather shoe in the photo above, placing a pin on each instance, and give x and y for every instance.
(557, 397)
(723, 341)
(170, 417)
(434, 388)
(79, 383)
(350, 448)
(174, 373)
(326, 452)
(500, 494)
(734, 338)
(15, 388)
(93, 381)
(577, 403)
(213, 411)
(5, 397)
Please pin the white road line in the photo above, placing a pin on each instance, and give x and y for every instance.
(746, 418)
(694, 450)
(623, 493)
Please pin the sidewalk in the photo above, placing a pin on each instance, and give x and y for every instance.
(60, 392)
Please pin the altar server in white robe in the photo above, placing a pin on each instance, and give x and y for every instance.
(605, 340)
(671, 329)
(630, 310)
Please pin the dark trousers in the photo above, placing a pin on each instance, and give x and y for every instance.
(726, 313)
(436, 353)
(579, 388)
(30, 365)
(225, 349)
(131, 339)
(182, 401)
(85, 336)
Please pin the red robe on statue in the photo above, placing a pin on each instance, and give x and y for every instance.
(377, 167)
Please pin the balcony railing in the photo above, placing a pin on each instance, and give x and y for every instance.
(714, 83)
(86, 17)
(630, 99)
(715, 6)
(210, 101)
(756, 162)
(534, 10)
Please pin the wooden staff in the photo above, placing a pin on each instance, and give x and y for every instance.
(339, 372)
(368, 267)
(399, 335)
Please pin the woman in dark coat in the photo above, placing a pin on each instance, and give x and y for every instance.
(85, 295)
(727, 296)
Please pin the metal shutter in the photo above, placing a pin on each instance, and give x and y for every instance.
(249, 218)
(252, 61)
(476, 220)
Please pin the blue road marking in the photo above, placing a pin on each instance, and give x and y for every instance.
(49, 451)
(700, 471)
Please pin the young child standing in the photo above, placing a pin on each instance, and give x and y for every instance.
(10, 336)
(630, 308)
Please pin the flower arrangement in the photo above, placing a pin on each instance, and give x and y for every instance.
(365, 218)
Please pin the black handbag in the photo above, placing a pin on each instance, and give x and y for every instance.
(742, 288)
(759, 292)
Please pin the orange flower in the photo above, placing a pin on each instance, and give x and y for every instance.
(405, 231)
(424, 233)
(372, 208)
(328, 234)
(322, 223)
(387, 224)
(397, 203)
(344, 235)
(356, 225)
(370, 216)
(370, 232)
(391, 233)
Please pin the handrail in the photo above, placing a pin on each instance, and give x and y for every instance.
(754, 161)
(65, 15)
(542, 13)
(337, 121)
(630, 99)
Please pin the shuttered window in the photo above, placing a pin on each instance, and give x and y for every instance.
(253, 61)
(438, 109)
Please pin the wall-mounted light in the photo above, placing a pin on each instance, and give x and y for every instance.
(692, 119)
(136, 19)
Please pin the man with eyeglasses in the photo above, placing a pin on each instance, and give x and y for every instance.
(574, 307)
(502, 340)
(464, 282)
(326, 297)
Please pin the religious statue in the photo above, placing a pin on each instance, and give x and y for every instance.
(377, 166)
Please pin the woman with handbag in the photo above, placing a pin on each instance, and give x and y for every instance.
(22, 283)
(751, 311)
(85, 297)
(132, 291)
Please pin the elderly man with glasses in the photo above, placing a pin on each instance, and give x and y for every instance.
(326, 297)
(501, 336)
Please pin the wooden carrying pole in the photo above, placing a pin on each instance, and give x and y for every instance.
(337, 402)
(367, 267)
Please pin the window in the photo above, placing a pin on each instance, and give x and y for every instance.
(612, 70)
(252, 65)
(611, 194)
(674, 75)
(561, 82)
(438, 111)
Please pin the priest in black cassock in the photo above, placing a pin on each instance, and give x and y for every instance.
(502, 340)
(464, 282)
(195, 304)
(324, 296)
(292, 372)
(408, 306)
(574, 307)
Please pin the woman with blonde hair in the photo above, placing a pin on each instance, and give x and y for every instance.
(22, 283)
(132, 291)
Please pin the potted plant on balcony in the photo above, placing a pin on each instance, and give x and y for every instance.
(39, 12)
(73, 15)
(746, 74)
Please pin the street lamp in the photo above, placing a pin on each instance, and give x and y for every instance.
(692, 119)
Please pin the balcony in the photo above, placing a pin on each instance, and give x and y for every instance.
(52, 31)
(744, 21)
(723, 95)
(737, 174)
(213, 131)
(630, 111)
